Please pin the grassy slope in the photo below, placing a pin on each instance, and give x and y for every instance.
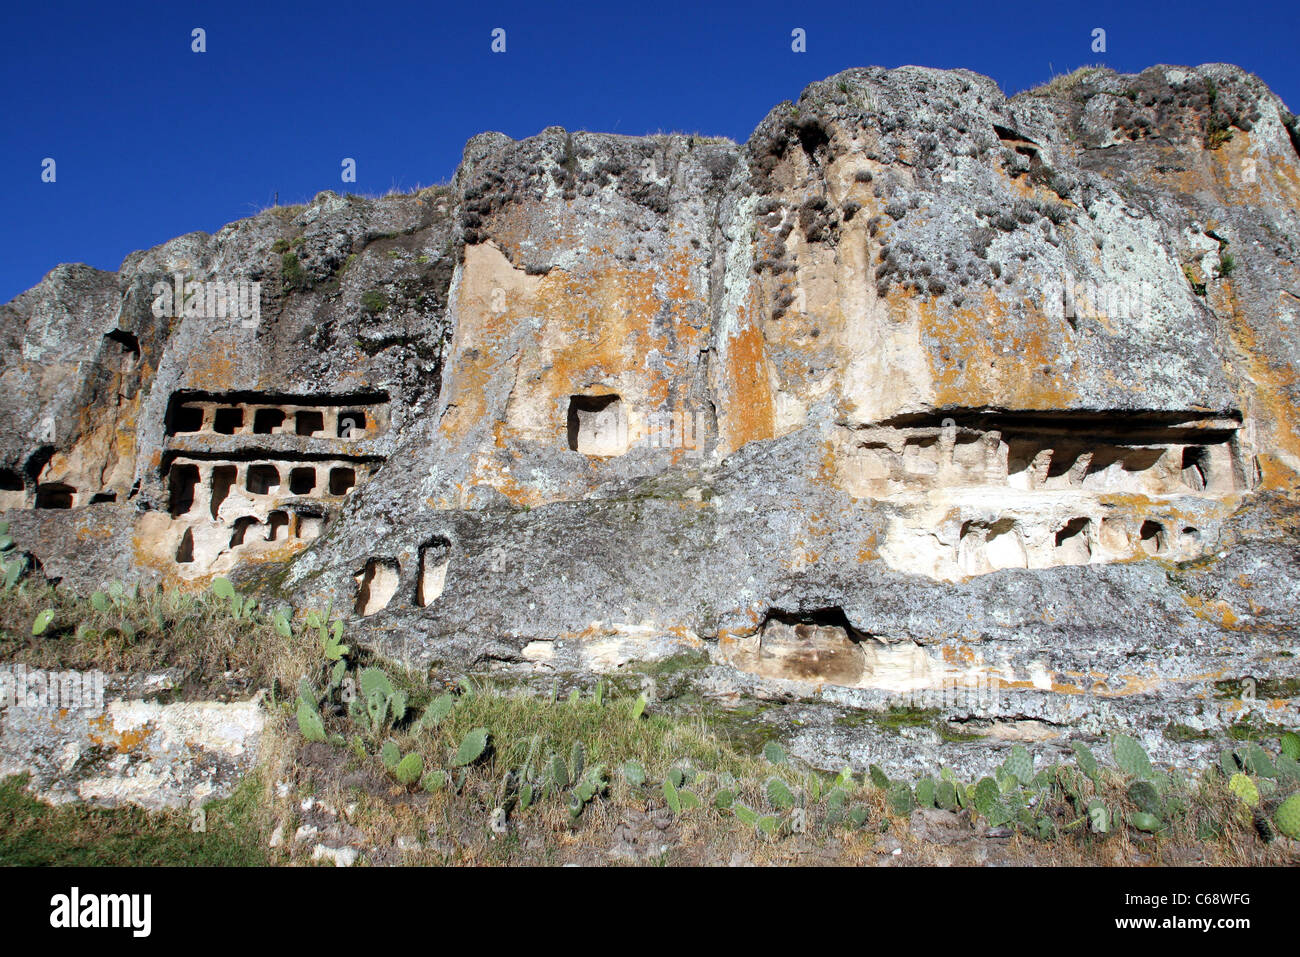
(356, 799)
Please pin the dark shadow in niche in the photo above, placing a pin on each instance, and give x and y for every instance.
(350, 422)
(183, 480)
(185, 551)
(830, 617)
(184, 418)
(1152, 537)
(10, 481)
(262, 479)
(223, 480)
(240, 530)
(377, 585)
(228, 421)
(1196, 467)
(127, 341)
(582, 405)
(434, 556)
(302, 481)
(277, 526)
(816, 644)
(1075, 526)
(307, 422)
(342, 480)
(54, 495)
(265, 421)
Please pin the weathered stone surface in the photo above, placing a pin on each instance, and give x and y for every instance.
(920, 392)
(132, 750)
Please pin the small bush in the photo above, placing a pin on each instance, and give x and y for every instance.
(374, 301)
(292, 276)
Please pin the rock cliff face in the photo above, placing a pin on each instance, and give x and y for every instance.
(924, 392)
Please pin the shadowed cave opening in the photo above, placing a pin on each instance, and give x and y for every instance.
(227, 421)
(263, 479)
(54, 495)
(832, 616)
(184, 418)
(184, 480)
(223, 480)
(377, 585)
(342, 480)
(302, 481)
(240, 531)
(127, 343)
(1072, 545)
(1196, 467)
(351, 424)
(1152, 536)
(596, 425)
(434, 555)
(309, 422)
(310, 525)
(817, 644)
(277, 526)
(266, 421)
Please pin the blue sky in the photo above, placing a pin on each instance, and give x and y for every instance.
(152, 140)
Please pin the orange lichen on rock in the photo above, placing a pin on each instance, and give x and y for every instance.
(980, 353)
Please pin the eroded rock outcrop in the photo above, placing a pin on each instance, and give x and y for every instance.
(1004, 387)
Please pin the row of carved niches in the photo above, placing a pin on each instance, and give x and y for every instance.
(250, 506)
(1123, 453)
(259, 475)
(349, 418)
(981, 492)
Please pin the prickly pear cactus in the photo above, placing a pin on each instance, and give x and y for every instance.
(672, 797)
(1287, 817)
(1145, 821)
(778, 794)
(986, 796)
(309, 722)
(1099, 816)
(1087, 760)
(471, 748)
(1130, 756)
(925, 792)
(1143, 794)
(946, 796)
(1291, 745)
(1244, 788)
(577, 760)
(1287, 768)
(558, 772)
(633, 773)
(375, 683)
(901, 799)
(774, 753)
(1260, 763)
(409, 769)
(1021, 764)
(1228, 762)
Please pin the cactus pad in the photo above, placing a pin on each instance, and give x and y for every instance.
(1130, 756)
(1287, 817)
